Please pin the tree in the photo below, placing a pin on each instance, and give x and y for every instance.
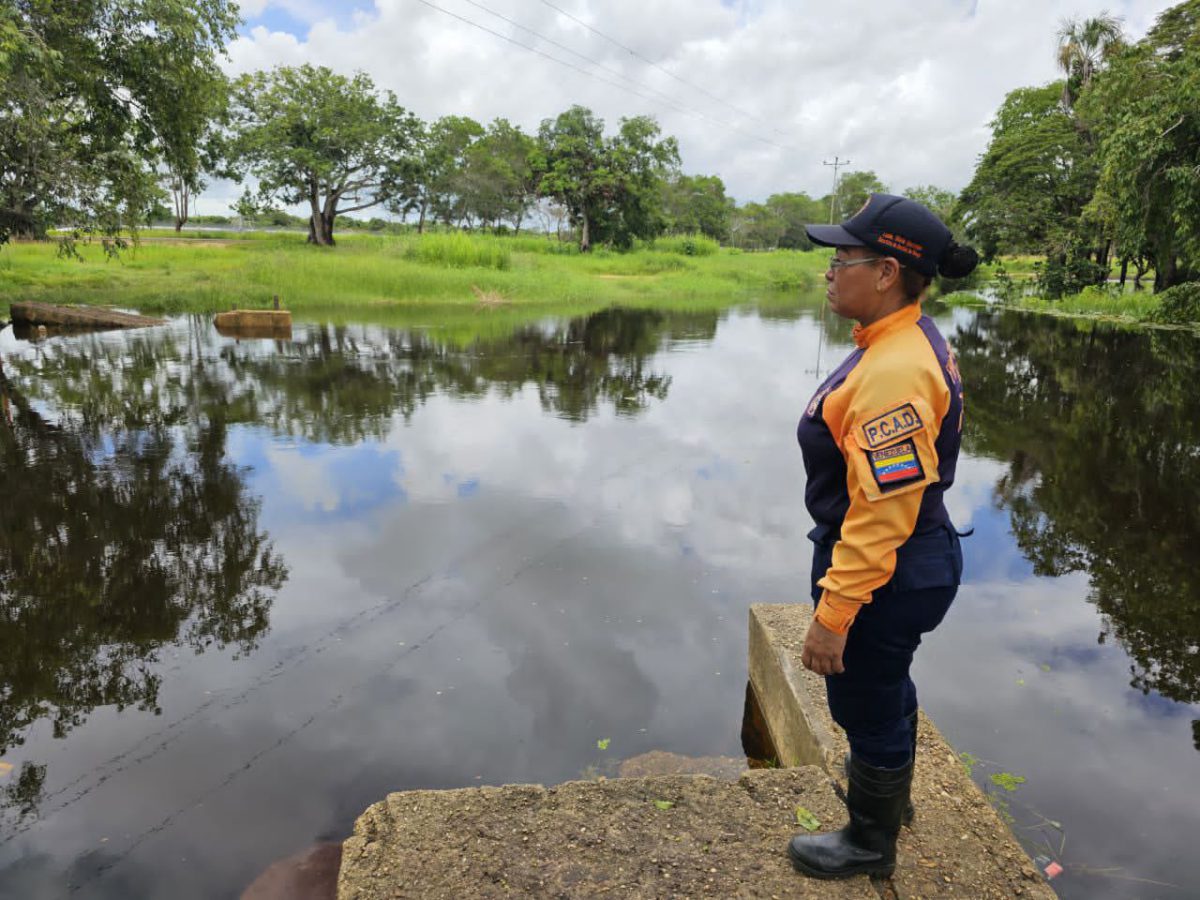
(757, 226)
(1143, 109)
(1034, 179)
(1083, 45)
(190, 143)
(312, 136)
(498, 182)
(697, 204)
(450, 140)
(795, 211)
(853, 190)
(611, 187)
(89, 105)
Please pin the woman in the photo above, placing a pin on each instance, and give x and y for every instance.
(880, 440)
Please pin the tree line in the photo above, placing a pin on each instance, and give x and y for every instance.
(1100, 168)
(116, 111)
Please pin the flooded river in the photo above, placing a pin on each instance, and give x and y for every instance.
(247, 589)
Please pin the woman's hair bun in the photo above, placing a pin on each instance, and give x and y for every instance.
(958, 261)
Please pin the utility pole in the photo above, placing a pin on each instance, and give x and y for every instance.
(837, 164)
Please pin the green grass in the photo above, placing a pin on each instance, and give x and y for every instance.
(1096, 301)
(687, 245)
(377, 273)
(459, 251)
(1110, 302)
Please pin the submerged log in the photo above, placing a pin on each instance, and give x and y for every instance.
(34, 314)
(254, 323)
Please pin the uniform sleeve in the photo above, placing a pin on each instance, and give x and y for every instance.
(890, 459)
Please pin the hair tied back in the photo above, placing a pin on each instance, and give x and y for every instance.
(958, 261)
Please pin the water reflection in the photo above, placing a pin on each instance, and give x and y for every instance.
(341, 384)
(123, 529)
(504, 547)
(1100, 430)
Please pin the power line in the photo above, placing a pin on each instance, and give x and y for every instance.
(561, 62)
(650, 62)
(640, 85)
(575, 53)
(670, 102)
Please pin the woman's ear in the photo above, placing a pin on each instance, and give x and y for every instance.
(889, 272)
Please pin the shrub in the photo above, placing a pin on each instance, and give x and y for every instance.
(1179, 305)
(459, 251)
(686, 245)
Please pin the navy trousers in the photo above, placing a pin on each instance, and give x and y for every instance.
(874, 697)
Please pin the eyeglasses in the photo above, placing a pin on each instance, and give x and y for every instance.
(835, 263)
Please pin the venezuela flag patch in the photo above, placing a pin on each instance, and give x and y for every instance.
(896, 466)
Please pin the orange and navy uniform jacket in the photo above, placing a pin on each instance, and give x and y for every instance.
(880, 440)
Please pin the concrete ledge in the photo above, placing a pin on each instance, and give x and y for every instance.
(791, 698)
(593, 839)
(958, 845)
(254, 323)
(689, 835)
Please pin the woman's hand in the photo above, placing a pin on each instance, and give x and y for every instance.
(822, 651)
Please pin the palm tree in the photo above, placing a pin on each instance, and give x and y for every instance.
(1083, 45)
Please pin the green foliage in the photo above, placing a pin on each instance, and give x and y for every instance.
(1179, 305)
(1006, 289)
(686, 245)
(806, 820)
(459, 251)
(1007, 780)
(542, 244)
(611, 187)
(498, 181)
(602, 743)
(969, 761)
(377, 273)
(96, 96)
(1102, 165)
(1144, 110)
(312, 136)
(1033, 180)
(795, 211)
(1067, 273)
(1082, 46)
(697, 204)
(757, 226)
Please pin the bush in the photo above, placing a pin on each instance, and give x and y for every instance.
(686, 245)
(1058, 277)
(1179, 305)
(458, 251)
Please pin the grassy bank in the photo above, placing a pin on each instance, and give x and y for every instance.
(1179, 307)
(207, 273)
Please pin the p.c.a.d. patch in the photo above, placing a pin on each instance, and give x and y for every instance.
(894, 467)
(895, 423)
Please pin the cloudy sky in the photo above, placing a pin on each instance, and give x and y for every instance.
(760, 92)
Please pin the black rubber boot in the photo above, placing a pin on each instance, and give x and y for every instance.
(909, 811)
(867, 845)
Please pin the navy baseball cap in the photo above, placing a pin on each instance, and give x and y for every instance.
(893, 226)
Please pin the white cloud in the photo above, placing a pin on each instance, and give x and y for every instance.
(906, 93)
